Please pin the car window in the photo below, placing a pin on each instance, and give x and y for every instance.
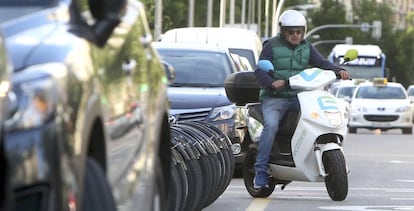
(195, 68)
(334, 90)
(410, 92)
(345, 91)
(245, 53)
(373, 92)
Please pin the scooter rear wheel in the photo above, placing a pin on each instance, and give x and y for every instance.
(248, 176)
(337, 180)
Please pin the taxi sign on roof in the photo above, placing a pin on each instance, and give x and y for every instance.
(380, 81)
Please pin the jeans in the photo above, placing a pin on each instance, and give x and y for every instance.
(273, 111)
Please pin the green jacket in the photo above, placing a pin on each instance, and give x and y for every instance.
(287, 61)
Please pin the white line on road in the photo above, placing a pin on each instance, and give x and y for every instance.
(258, 204)
(404, 180)
(368, 208)
(403, 199)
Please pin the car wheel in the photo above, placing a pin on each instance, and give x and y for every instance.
(97, 193)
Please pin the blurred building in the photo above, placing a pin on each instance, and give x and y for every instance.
(401, 9)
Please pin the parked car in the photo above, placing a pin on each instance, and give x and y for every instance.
(197, 92)
(243, 42)
(380, 105)
(88, 121)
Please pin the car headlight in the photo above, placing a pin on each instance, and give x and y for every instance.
(358, 108)
(223, 113)
(403, 109)
(34, 98)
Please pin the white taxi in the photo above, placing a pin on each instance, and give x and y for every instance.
(380, 105)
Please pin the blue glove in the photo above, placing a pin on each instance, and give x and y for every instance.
(265, 65)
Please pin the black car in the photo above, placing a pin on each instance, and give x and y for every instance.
(87, 125)
(197, 92)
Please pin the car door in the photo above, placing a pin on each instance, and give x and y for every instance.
(121, 78)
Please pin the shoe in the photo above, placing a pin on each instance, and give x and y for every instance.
(260, 180)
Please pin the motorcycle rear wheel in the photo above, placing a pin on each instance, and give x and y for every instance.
(248, 176)
(337, 180)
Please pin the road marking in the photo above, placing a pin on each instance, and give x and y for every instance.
(258, 204)
(403, 199)
(398, 161)
(402, 180)
(368, 208)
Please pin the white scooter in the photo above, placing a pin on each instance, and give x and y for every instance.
(310, 142)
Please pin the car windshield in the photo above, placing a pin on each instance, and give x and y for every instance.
(198, 68)
(374, 92)
(346, 91)
(410, 92)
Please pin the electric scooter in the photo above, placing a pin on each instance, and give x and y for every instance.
(308, 145)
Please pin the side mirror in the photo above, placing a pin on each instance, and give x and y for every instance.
(411, 98)
(347, 99)
(350, 55)
(169, 71)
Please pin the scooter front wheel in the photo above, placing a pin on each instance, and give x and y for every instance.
(248, 176)
(337, 180)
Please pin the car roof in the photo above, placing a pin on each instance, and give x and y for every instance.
(410, 87)
(392, 84)
(233, 37)
(346, 83)
(191, 46)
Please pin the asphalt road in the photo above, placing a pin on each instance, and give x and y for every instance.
(381, 178)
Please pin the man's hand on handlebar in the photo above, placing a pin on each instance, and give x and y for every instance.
(343, 74)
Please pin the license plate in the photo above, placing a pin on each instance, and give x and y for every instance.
(381, 124)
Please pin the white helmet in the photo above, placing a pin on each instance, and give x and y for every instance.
(292, 18)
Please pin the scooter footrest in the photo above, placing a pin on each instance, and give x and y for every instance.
(283, 163)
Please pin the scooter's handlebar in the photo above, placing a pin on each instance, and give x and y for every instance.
(312, 78)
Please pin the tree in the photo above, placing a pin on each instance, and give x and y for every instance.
(330, 12)
(404, 66)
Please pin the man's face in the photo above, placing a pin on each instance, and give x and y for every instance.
(294, 35)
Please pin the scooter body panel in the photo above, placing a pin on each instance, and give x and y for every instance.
(313, 123)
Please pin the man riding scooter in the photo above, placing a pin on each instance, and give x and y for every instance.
(289, 53)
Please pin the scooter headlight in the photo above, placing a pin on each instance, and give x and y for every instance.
(334, 118)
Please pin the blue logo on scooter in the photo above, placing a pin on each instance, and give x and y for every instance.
(327, 102)
(309, 77)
